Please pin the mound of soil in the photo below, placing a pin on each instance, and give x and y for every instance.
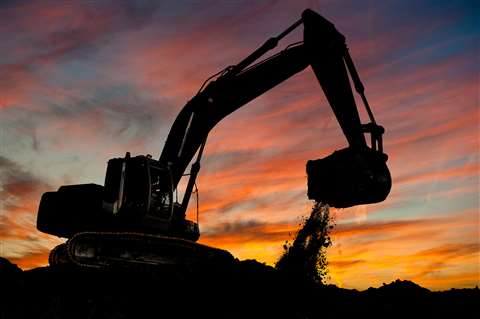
(246, 289)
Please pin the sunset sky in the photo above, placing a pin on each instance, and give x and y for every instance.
(85, 81)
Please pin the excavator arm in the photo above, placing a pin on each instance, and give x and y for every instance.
(323, 49)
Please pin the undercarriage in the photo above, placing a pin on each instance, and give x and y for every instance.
(105, 250)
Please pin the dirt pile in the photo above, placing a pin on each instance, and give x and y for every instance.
(247, 289)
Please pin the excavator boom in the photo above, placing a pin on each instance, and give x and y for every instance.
(323, 49)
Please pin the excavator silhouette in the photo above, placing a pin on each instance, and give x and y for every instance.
(134, 219)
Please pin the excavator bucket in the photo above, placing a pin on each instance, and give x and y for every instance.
(349, 177)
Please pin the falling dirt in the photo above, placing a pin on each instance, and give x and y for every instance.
(306, 257)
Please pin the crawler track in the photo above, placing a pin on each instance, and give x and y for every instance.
(103, 250)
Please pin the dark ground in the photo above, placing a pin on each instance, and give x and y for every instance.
(246, 289)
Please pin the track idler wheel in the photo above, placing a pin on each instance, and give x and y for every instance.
(59, 256)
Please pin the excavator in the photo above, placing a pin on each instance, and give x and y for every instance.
(134, 219)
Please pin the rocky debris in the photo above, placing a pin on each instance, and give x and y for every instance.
(306, 258)
(246, 289)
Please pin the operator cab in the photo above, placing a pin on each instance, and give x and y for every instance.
(138, 186)
(140, 190)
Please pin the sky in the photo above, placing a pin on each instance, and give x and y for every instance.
(85, 81)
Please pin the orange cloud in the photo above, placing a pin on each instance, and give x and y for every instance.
(468, 170)
(419, 250)
(34, 259)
